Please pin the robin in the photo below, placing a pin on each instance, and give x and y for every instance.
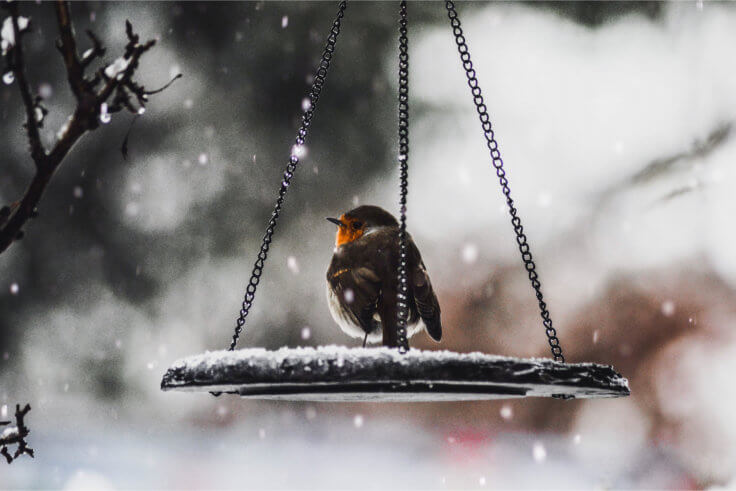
(362, 279)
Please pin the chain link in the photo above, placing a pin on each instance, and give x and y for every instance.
(492, 145)
(402, 310)
(314, 93)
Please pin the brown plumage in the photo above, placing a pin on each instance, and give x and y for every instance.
(362, 279)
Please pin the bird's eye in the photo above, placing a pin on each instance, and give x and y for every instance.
(357, 225)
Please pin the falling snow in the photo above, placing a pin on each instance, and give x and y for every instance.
(600, 37)
(292, 264)
(358, 421)
(284, 22)
(349, 295)
(306, 333)
(470, 253)
(299, 151)
(539, 452)
(132, 209)
(668, 308)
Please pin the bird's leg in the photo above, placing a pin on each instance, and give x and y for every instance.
(389, 336)
(387, 312)
(365, 339)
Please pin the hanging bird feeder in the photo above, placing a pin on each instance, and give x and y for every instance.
(332, 373)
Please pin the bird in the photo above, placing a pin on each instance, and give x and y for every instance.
(362, 279)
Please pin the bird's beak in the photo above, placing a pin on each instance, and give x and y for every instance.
(336, 221)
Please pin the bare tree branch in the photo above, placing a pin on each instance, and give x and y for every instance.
(67, 45)
(18, 67)
(16, 435)
(97, 50)
(666, 166)
(118, 91)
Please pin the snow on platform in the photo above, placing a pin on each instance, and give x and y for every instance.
(335, 373)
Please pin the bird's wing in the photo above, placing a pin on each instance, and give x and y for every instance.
(427, 304)
(359, 289)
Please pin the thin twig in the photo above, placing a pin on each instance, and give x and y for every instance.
(168, 84)
(67, 45)
(97, 50)
(18, 66)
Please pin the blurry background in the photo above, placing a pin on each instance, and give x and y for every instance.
(615, 121)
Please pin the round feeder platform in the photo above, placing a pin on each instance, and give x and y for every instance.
(333, 373)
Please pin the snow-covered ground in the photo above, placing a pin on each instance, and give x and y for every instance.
(308, 446)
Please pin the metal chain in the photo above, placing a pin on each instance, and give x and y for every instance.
(402, 311)
(314, 93)
(492, 144)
